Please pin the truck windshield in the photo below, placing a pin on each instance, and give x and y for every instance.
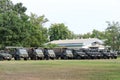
(22, 51)
(50, 51)
(68, 51)
(38, 51)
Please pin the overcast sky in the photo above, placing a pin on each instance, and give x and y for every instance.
(81, 16)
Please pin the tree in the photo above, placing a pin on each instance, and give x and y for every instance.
(98, 34)
(5, 6)
(13, 23)
(94, 34)
(59, 31)
(113, 35)
(72, 35)
(87, 35)
(19, 29)
(38, 33)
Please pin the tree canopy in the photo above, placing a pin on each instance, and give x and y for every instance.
(60, 31)
(112, 34)
(13, 23)
(19, 29)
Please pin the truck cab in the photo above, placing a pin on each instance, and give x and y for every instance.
(21, 53)
(79, 54)
(36, 54)
(106, 54)
(67, 54)
(5, 56)
(49, 54)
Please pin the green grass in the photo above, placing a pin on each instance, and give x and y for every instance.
(60, 70)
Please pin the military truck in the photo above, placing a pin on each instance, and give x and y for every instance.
(49, 54)
(98, 55)
(21, 53)
(106, 54)
(113, 54)
(17, 53)
(63, 53)
(67, 54)
(36, 54)
(91, 54)
(79, 54)
(58, 52)
(5, 56)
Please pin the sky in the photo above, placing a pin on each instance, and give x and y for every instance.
(81, 16)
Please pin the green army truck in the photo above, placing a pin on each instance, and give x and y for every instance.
(5, 56)
(36, 54)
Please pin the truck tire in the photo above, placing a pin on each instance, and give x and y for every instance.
(115, 57)
(25, 59)
(8, 59)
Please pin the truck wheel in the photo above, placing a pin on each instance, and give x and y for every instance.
(61, 57)
(115, 57)
(15, 58)
(108, 58)
(8, 59)
(111, 57)
(52, 58)
(25, 58)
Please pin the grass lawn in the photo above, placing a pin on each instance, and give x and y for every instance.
(60, 70)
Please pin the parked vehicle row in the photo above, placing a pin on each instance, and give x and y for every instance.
(55, 53)
(99, 54)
